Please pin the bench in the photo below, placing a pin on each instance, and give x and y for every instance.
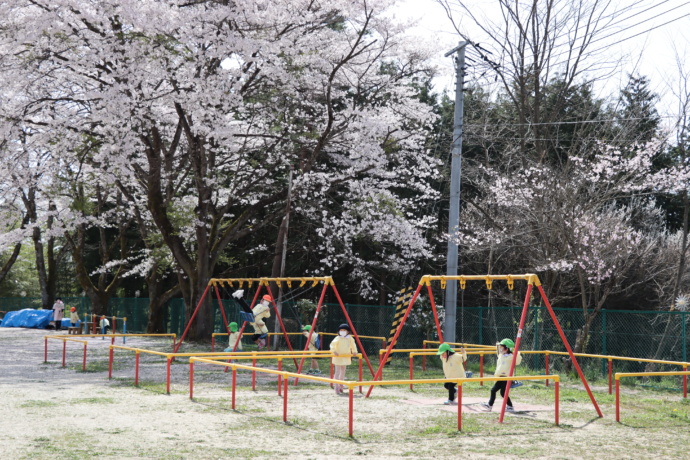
(74, 330)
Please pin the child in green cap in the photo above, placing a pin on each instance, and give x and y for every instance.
(505, 357)
(233, 338)
(453, 367)
(314, 366)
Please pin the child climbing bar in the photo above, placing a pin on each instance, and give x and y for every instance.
(343, 347)
(505, 357)
(453, 367)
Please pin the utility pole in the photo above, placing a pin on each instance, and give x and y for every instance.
(449, 324)
(282, 240)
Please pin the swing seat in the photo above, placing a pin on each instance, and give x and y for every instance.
(516, 383)
(245, 316)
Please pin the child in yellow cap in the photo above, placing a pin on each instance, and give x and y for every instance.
(73, 317)
(453, 367)
(505, 358)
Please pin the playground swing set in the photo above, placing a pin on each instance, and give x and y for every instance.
(532, 281)
(264, 283)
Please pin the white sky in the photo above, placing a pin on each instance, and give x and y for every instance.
(652, 53)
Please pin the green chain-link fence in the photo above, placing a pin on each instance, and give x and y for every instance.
(642, 334)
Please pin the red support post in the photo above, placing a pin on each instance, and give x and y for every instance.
(167, 376)
(83, 366)
(610, 376)
(280, 376)
(110, 364)
(112, 340)
(557, 394)
(213, 344)
(546, 358)
(570, 351)
(45, 350)
(459, 401)
(234, 385)
(254, 375)
(516, 350)
(313, 327)
(618, 400)
(411, 370)
(114, 326)
(433, 309)
(392, 343)
(285, 399)
(191, 379)
(351, 410)
(64, 352)
(481, 368)
(136, 369)
(191, 320)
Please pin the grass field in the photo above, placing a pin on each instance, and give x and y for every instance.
(51, 412)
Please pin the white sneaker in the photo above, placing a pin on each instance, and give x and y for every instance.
(238, 293)
(450, 403)
(486, 406)
(510, 409)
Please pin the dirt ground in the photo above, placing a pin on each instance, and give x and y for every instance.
(47, 411)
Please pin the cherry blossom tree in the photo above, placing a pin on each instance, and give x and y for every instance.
(199, 109)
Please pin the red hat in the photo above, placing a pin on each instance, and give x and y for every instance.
(73, 309)
(267, 297)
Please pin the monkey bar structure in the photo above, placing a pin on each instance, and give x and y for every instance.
(262, 283)
(531, 279)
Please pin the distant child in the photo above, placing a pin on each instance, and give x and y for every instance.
(73, 317)
(343, 347)
(104, 325)
(453, 367)
(505, 357)
(314, 367)
(233, 338)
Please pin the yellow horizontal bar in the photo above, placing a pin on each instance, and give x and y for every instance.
(276, 372)
(620, 375)
(531, 278)
(234, 356)
(265, 281)
(121, 335)
(360, 336)
(65, 339)
(463, 380)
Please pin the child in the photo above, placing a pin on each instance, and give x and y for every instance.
(233, 338)
(343, 347)
(505, 357)
(73, 317)
(453, 367)
(260, 311)
(104, 325)
(314, 367)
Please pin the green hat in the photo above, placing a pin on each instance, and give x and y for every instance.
(306, 328)
(233, 327)
(444, 348)
(507, 343)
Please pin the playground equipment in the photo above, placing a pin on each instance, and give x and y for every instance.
(285, 376)
(531, 279)
(620, 375)
(262, 283)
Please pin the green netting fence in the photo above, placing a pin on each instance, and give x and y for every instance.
(642, 334)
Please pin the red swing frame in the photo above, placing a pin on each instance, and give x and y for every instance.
(532, 280)
(264, 282)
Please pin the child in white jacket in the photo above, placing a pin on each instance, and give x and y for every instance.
(505, 358)
(343, 347)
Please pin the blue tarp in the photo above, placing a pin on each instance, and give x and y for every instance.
(28, 317)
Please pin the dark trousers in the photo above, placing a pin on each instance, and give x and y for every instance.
(499, 386)
(451, 390)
